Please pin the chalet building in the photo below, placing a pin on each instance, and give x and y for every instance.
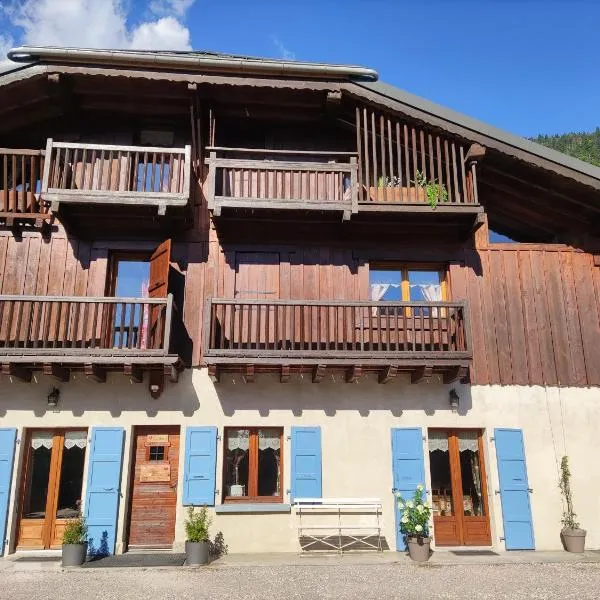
(235, 282)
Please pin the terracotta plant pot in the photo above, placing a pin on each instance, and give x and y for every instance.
(197, 553)
(419, 548)
(73, 555)
(573, 540)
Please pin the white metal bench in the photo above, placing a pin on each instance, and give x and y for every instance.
(338, 516)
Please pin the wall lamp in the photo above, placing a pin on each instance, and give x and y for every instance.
(454, 400)
(53, 397)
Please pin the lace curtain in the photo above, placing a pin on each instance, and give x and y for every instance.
(41, 439)
(467, 440)
(431, 292)
(239, 439)
(75, 438)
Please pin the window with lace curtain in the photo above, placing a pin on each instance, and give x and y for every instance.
(252, 465)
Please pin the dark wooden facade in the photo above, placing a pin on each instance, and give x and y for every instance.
(279, 197)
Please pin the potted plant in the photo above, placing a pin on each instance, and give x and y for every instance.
(197, 536)
(414, 524)
(573, 537)
(419, 190)
(74, 541)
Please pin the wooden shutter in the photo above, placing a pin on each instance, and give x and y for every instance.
(200, 466)
(104, 489)
(306, 463)
(8, 438)
(408, 467)
(158, 287)
(514, 489)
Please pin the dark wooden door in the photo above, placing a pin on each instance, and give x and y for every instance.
(154, 487)
(459, 488)
(256, 278)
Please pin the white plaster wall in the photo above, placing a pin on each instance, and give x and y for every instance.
(355, 420)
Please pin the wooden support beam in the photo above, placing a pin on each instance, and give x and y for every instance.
(285, 373)
(464, 375)
(421, 373)
(95, 372)
(213, 373)
(59, 373)
(475, 152)
(172, 372)
(318, 373)
(135, 373)
(353, 375)
(388, 374)
(156, 383)
(17, 371)
(452, 375)
(248, 375)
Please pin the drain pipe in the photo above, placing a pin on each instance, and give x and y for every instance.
(191, 61)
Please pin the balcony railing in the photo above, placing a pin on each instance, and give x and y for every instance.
(321, 330)
(21, 183)
(413, 168)
(282, 179)
(99, 173)
(42, 326)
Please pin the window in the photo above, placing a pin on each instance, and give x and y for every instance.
(253, 470)
(407, 283)
(157, 453)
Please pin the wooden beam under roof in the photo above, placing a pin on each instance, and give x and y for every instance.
(20, 372)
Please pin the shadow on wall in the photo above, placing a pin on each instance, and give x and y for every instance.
(365, 396)
(117, 395)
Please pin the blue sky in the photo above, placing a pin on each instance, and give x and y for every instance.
(526, 66)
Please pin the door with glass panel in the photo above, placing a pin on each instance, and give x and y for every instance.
(458, 487)
(51, 485)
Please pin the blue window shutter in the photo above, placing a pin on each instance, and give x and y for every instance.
(104, 488)
(408, 467)
(8, 437)
(200, 466)
(514, 489)
(306, 462)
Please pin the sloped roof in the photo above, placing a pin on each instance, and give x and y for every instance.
(359, 80)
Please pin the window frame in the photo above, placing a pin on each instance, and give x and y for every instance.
(404, 267)
(252, 467)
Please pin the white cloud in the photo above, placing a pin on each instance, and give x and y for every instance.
(97, 24)
(283, 51)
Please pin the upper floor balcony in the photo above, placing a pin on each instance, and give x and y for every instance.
(58, 334)
(284, 336)
(306, 180)
(101, 174)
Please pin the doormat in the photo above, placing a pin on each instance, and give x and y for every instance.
(137, 560)
(474, 553)
(33, 559)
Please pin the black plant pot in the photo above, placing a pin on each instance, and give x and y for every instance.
(73, 555)
(197, 553)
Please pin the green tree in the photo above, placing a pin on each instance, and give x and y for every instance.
(585, 146)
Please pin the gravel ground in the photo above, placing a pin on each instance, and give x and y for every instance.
(473, 582)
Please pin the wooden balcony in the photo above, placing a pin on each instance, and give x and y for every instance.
(56, 334)
(250, 178)
(100, 174)
(20, 186)
(422, 338)
(407, 169)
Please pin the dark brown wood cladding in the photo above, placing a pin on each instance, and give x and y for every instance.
(534, 309)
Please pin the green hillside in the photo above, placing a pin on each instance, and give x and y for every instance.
(585, 146)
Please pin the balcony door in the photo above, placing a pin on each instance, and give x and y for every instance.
(256, 278)
(51, 486)
(458, 488)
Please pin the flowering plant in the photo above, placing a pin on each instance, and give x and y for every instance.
(415, 514)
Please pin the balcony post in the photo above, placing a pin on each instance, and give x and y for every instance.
(168, 316)
(47, 163)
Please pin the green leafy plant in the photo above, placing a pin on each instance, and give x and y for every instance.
(75, 532)
(435, 192)
(415, 514)
(569, 516)
(389, 182)
(197, 525)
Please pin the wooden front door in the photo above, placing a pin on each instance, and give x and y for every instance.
(458, 488)
(51, 486)
(154, 487)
